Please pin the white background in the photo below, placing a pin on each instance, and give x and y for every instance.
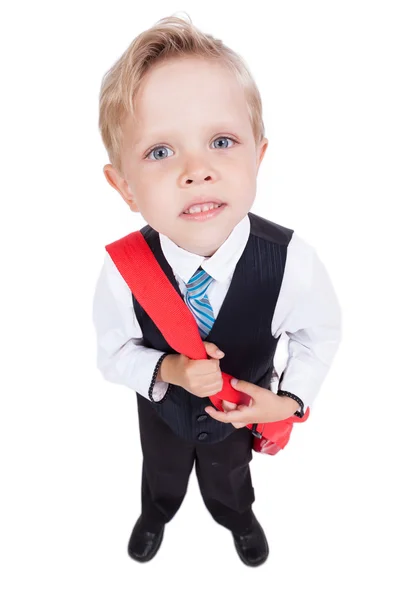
(70, 452)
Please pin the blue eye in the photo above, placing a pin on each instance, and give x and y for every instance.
(160, 153)
(225, 139)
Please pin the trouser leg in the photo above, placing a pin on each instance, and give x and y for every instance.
(167, 463)
(224, 479)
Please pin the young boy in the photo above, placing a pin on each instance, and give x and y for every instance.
(181, 119)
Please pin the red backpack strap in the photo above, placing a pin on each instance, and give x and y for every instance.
(151, 287)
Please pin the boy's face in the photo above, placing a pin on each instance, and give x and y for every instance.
(191, 142)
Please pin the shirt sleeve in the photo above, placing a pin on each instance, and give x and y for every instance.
(121, 356)
(309, 315)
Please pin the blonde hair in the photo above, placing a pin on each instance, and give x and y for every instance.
(170, 37)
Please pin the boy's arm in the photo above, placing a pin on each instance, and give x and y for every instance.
(121, 357)
(310, 315)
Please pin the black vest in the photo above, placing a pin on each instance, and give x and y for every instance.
(242, 328)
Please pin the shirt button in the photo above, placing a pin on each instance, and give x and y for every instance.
(202, 417)
(202, 436)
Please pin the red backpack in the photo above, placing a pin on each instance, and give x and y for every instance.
(155, 293)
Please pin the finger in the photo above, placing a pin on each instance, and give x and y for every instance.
(227, 406)
(208, 366)
(217, 414)
(211, 393)
(210, 381)
(244, 407)
(245, 386)
(234, 416)
(213, 350)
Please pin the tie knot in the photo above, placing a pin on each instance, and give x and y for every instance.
(198, 284)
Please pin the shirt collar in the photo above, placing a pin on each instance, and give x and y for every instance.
(220, 265)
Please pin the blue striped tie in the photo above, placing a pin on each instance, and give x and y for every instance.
(197, 301)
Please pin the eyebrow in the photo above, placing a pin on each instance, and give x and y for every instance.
(165, 134)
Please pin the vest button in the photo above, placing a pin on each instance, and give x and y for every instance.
(202, 436)
(202, 417)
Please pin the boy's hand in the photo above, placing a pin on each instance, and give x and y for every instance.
(259, 406)
(199, 377)
(229, 406)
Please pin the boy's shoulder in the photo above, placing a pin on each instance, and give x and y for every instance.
(269, 230)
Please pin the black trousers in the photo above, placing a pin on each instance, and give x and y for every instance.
(222, 471)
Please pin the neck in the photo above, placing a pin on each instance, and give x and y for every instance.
(205, 251)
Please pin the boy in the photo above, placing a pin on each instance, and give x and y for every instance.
(181, 119)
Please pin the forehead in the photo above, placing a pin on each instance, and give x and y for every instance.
(189, 92)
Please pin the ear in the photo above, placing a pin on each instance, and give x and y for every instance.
(121, 185)
(261, 149)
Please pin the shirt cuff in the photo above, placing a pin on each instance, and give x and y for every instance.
(145, 363)
(300, 411)
(158, 390)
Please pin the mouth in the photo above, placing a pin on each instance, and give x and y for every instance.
(203, 209)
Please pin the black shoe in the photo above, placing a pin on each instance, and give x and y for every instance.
(143, 544)
(252, 545)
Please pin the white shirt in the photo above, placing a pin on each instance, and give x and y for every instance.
(307, 314)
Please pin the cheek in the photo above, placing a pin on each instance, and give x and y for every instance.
(148, 183)
(244, 178)
(243, 168)
(152, 191)
(153, 177)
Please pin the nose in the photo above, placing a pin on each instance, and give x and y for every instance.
(197, 172)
